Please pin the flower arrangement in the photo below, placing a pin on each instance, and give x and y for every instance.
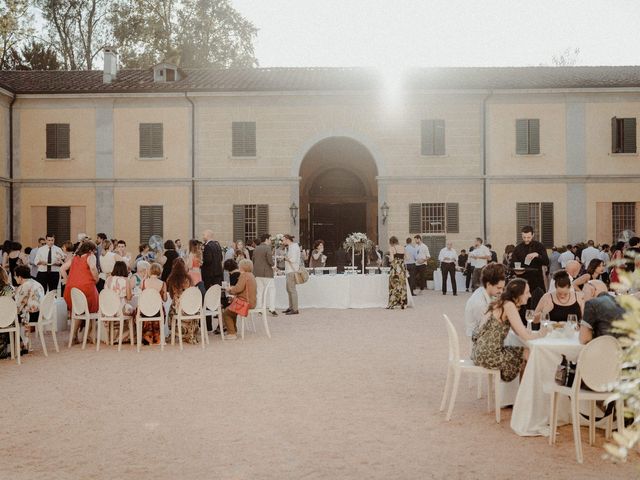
(358, 241)
(276, 240)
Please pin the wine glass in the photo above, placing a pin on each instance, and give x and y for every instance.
(546, 321)
(572, 321)
(529, 316)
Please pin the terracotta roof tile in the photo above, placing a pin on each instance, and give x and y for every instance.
(321, 79)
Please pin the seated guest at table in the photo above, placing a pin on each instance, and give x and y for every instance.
(122, 254)
(6, 290)
(245, 289)
(489, 350)
(177, 283)
(599, 314)
(136, 279)
(318, 258)
(562, 302)
(592, 288)
(118, 282)
(28, 295)
(151, 330)
(573, 269)
(492, 285)
(595, 269)
(231, 267)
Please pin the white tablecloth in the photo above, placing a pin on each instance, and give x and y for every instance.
(531, 411)
(437, 281)
(339, 291)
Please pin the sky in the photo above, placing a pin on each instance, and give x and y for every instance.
(403, 33)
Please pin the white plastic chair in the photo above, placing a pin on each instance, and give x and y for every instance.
(47, 318)
(9, 324)
(261, 308)
(598, 367)
(457, 365)
(190, 309)
(213, 306)
(80, 311)
(150, 305)
(111, 311)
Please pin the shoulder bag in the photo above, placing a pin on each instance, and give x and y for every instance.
(239, 306)
(301, 275)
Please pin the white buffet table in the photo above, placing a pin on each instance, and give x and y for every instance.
(437, 281)
(339, 291)
(531, 410)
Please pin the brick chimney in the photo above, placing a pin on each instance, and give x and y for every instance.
(110, 64)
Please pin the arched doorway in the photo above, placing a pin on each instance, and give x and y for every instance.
(338, 193)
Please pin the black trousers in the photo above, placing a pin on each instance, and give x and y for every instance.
(449, 269)
(421, 276)
(412, 271)
(48, 280)
(468, 274)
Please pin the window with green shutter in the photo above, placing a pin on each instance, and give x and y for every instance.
(432, 137)
(151, 222)
(59, 223)
(527, 136)
(151, 141)
(250, 221)
(540, 217)
(434, 218)
(243, 142)
(58, 141)
(623, 135)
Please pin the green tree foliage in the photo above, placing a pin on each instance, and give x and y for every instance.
(38, 56)
(190, 33)
(15, 27)
(77, 29)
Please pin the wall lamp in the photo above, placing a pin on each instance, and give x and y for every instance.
(294, 212)
(385, 212)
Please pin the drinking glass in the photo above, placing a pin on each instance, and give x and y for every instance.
(572, 320)
(546, 322)
(529, 316)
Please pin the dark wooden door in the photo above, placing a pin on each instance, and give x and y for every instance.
(332, 223)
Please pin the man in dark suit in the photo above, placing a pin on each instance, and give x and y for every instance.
(263, 265)
(211, 261)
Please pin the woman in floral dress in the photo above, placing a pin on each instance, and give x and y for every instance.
(489, 350)
(397, 275)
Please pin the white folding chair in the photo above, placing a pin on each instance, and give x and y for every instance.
(80, 311)
(111, 311)
(150, 305)
(598, 367)
(189, 309)
(457, 365)
(9, 324)
(47, 318)
(261, 308)
(213, 306)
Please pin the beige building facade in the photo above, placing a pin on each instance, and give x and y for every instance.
(321, 153)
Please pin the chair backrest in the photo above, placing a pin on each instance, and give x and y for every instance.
(212, 298)
(48, 307)
(599, 364)
(150, 303)
(79, 303)
(109, 303)
(454, 345)
(261, 294)
(8, 311)
(107, 262)
(191, 301)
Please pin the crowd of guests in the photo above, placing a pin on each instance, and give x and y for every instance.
(93, 265)
(529, 287)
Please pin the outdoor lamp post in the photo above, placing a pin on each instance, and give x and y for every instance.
(294, 212)
(385, 212)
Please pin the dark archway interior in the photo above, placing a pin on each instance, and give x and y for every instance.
(338, 193)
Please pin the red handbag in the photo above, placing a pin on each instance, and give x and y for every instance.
(239, 306)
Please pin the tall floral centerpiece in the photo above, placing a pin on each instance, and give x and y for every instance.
(358, 241)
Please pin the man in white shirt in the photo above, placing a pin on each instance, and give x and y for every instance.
(291, 266)
(48, 259)
(422, 257)
(566, 256)
(32, 257)
(475, 312)
(479, 258)
(448, 258)
(589, 254)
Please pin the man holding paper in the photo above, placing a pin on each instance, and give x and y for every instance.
(530, 256)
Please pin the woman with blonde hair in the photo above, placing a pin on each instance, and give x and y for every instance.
(151, 330)
(246, 289)
(177, 283)
(194, 262)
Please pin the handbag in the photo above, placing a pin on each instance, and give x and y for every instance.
(239, 306)
(565, 372)
(301, 275)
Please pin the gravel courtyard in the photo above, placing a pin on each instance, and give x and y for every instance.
(334, 394)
